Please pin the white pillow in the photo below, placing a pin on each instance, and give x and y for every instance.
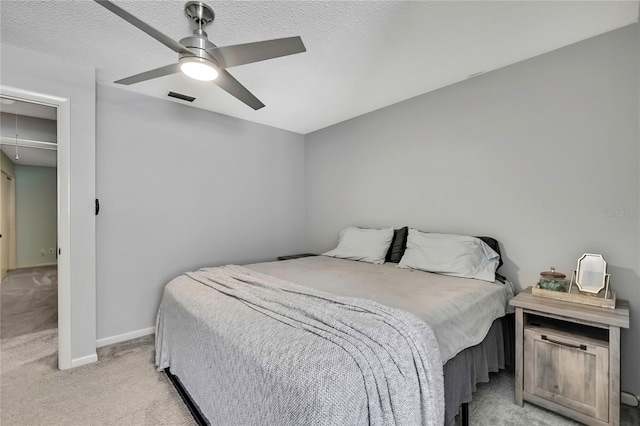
(366, 245)
(448, 254)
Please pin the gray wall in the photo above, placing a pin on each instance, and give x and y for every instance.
(32, 128)
(543, 155)
(36, 215)
(43, 74)
(183, 188)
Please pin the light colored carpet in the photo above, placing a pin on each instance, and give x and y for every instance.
(493, 404)
(29, 301)
(122, 388)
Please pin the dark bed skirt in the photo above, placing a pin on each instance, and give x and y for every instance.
(509, 336)
(472, 366)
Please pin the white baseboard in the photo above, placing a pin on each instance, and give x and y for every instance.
(35, 265)
(629, 399)
(124, 337)
(77, 362)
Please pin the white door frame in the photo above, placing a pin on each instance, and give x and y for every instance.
(10, 233)
(13, 255)
(64, 225)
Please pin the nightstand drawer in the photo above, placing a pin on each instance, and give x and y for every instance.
(567, 369)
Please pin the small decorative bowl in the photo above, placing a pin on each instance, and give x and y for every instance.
(552, 280)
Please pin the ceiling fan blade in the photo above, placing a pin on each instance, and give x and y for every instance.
(228, 83)
(170, 43)
(240, 54)
(151, 74)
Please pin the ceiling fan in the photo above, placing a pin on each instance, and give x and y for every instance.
(200, 59)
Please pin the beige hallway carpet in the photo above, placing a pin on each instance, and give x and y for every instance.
(29, 301)
(122, 388)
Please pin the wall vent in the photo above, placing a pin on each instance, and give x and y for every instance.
(181, 96)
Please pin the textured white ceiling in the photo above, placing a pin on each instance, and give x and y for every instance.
(361, 55)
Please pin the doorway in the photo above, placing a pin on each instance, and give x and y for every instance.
(62, 156)
(28, 218)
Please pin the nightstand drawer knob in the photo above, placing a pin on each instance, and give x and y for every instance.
(581, 347)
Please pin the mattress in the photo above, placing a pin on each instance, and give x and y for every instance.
(459, 310)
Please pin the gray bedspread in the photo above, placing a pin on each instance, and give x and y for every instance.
(459, 310)
(253, 349)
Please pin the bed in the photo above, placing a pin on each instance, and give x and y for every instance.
(283, 380)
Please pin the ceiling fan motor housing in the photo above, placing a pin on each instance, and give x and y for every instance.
(198, 45)
(202, 14)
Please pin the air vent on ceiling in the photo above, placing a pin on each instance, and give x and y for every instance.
(181, 96)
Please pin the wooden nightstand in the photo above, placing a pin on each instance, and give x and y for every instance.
(568, 357)
(296, 256)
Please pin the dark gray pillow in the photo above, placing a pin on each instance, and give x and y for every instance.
(398, 245)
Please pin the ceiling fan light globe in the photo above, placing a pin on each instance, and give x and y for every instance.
(198, 69)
